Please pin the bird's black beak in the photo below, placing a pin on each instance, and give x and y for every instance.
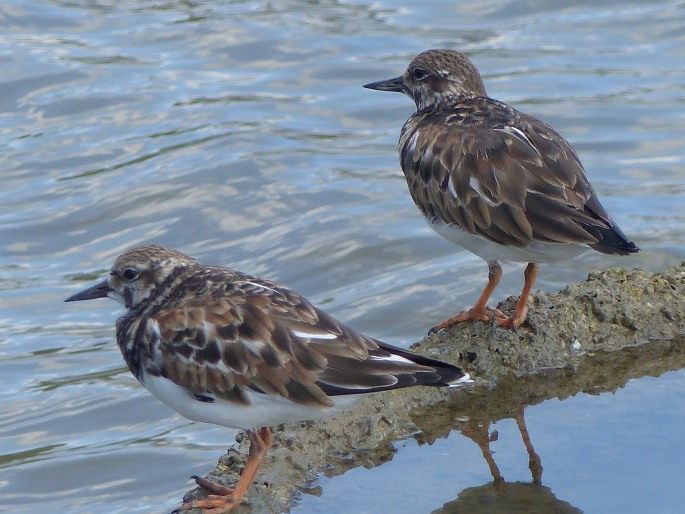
(99, 290)
(395, 85)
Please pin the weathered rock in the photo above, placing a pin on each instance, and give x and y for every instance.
(590, 337)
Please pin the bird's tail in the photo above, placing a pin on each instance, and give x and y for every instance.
(614, 242)
(438, 374)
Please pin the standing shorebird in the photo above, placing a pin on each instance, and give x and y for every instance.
(498, 182)
(224, 347)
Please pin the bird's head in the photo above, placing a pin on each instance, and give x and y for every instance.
(137, 275)
(436, 78)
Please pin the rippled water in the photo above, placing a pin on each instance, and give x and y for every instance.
(239, 133)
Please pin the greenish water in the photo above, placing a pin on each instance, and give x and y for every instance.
(239, 133)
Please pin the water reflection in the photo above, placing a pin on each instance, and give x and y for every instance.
(500, 496)
(603, 372)
(506, 498)
(479, 433)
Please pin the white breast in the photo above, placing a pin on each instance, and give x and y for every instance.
(537, 252)
(264, 410)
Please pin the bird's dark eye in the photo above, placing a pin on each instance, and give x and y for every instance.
(129, 274)
(419, 74)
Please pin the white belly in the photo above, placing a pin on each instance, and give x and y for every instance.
(264, 411)
(537, 252)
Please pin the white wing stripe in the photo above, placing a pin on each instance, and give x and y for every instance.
(310, 335)
(518, 133)
(391, 358)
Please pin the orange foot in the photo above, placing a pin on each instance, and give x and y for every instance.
(484, 314)
(225, 499)
(222, 500)
(481, 312)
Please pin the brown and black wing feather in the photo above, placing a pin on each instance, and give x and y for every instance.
(240, 333)
(348, 377)
(505, 176)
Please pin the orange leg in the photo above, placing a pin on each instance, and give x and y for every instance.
(480, 311)
(480, 434)
(226, 499)
(534, 461)
(530, 275)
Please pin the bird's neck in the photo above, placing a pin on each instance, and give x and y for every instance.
(137, 338)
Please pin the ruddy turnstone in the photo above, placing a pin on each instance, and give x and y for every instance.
(224, 347)
(500, 183)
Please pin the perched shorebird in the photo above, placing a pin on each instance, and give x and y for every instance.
(500, 183)
(224, 347)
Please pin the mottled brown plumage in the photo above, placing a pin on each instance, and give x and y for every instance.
(225, 347)
(499, 182)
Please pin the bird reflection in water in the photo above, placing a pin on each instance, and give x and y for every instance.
(501, 496)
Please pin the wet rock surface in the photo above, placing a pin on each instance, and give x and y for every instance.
(590, 337)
